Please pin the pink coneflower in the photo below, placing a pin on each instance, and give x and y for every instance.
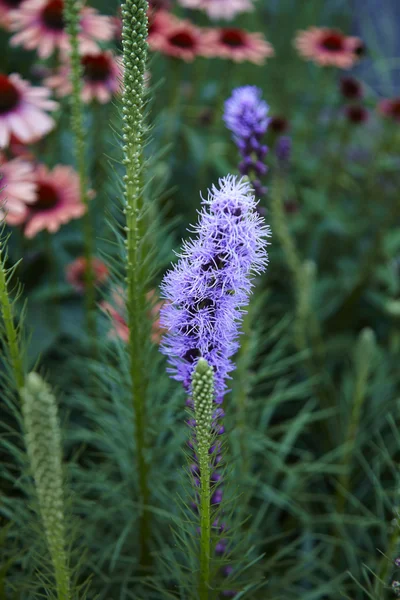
(220, 9)
(40, 25)
(17, 189)
(116, 309)
(22, 110)
(160, 21)
(390, 108)
(76, 272)
(57, 200)
(6, 8)
(238, 45)
(328, 47)
(181, 40)
(102, 77)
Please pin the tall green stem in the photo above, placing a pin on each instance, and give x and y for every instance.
(134, 35)
(203, 394)
(8, 318)
(72, 10)
(364, 357)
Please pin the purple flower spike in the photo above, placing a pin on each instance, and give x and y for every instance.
(246, 116)
(209, 287)
(246, 113)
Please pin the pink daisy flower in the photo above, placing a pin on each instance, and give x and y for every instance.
(22, 110)
(220, 9)
(181, 40)
(75, 272)
(102, 77)
(117, 312)
(329, 47)
(6, 8)
(40, 26)
(160, 21)
(57, 200)
(17, 189)
(238, 45)
(390, 108)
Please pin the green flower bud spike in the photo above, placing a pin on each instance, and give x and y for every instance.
(72, 12)
(203, 396)
(43, 444)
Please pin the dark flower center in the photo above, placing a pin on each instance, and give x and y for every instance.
(395, 109)
(47, 197)
(52, 15)
(183, 39)
(12, 3)
(278, 124)
(357, 114)
(9, 95)
(232, 37)
(350, 88)
(333, 42)
(96, 67)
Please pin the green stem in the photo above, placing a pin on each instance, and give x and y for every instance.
(205, 526)
(10, 329)
(72, 18)
(135, 54)
(203, 395)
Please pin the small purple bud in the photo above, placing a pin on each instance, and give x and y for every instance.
(220, 547)
(216, 498)
(283, 149)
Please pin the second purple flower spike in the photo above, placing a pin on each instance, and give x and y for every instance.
(246, 116)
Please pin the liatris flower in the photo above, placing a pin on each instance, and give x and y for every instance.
(181, 40)
(76, 272)
(328, 47)
(6, 9)
(390, 108)
(220, 9)
(350, 88)
(210, 285)
(116, 310)
(246, 116)
(238, 45)
(40, 26)
(17, 189)
(57, 200)
(23, 110)
(102, 77)
(356, 114)
(43, 444)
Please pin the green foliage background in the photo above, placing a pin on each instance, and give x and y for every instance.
(312, 421)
